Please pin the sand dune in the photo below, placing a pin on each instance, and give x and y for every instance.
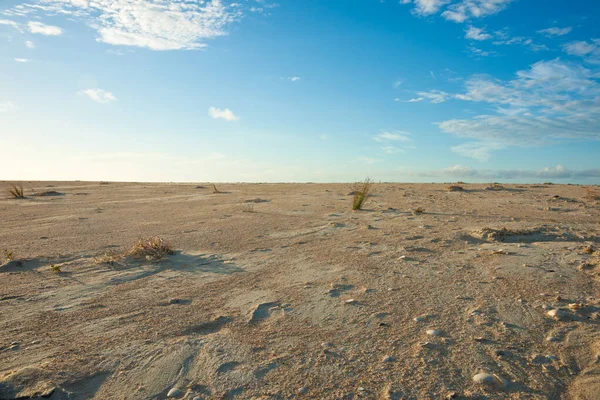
(487, 294)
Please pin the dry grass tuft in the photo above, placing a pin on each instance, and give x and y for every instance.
(215, 190)
(108, 258)
(418, 210)
(17, 191)
(248, 207)
(7, 256)
(361, 192)
(455, 188)
(153, 248)
(55, 268)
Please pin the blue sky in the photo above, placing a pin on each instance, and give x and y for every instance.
(258, 90)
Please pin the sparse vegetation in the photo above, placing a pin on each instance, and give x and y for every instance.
(419, 210)
(361, 192)
(248, 207)
(55, 268)
(455, 188)
(495, 186)
(592, 194)
(17, 191)
(153, 248)
(108, 258)
(215, 190)
(7, 256)
(48, 193)
(548, 183)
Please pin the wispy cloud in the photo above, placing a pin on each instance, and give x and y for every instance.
(11, 23)
(394, 142)
(393, 136)
(43, 29)
(154, 24)
(458, 11)
(551, 101)
(22, 60)
(368, 160)
(226, 114)
(554, 31)
(477, 34)
(471, 9)
(557, 172)
(291, 78)
(29, 44)
(7, 106)
(434, 96)
(589, 51)
(99, 95)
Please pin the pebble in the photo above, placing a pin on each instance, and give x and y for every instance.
(489, 379)
(433, 332)
(552, 339)
(175, 392)
(302, 390)
(387, 359)
(419, 319)
(350, 301)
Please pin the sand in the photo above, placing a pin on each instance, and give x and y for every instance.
(487, 294)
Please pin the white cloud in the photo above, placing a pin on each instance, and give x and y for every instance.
(551, 101)
(434, 96)
(397, 84)
(7, 106)
(43, 29)
(477, 34)
(589, 51)
(29, 44)
(368, 160)
(554, 31)
(226, 114)
(99, 95)
(154, 24)
(393, 136)
(11, 23)
(559, 172)
(391, 141)
(22, 60)
(469, 9)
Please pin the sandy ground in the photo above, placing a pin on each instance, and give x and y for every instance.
(301, 298)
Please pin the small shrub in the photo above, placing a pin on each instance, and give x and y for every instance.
(17, 191)
(55, 268)
(361, 192)
(419, 210)
(248, 207)
(215, 190)
(108, 258)
(153, 248)
(7, 256)
(548, 183)
(455, 188)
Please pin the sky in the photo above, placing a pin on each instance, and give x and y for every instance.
(300, 91)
